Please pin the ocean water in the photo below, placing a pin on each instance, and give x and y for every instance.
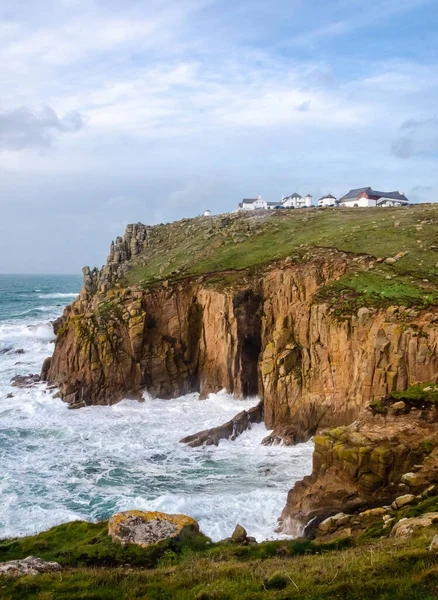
(58, 464)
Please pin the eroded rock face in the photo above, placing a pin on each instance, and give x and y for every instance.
(264, 334)
(365, 464)
(28, 566)
(146, 528)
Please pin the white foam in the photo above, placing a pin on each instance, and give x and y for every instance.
(90, 463)
(59, 295)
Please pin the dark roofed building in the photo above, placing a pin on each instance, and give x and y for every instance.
(366, 196)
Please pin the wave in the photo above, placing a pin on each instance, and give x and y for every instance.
(60, 295)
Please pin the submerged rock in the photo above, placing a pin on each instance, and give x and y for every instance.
(147, 528)
(28, 566)
(231, 429)
(25, 381)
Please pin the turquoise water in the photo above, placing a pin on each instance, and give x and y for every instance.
(58, 464)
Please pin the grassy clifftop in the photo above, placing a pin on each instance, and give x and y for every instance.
(251, 241)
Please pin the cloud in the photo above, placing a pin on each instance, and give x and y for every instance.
(22, 128)
(418, 137)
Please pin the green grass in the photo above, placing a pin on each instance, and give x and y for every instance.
(228, 244)
(386, 569)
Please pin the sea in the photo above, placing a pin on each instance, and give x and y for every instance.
(59, 465)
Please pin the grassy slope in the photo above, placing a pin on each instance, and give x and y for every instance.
(250, 241)
(383, 568)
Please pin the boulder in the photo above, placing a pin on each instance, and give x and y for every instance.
(239, 535)
(334, 522)
(403, 501)
(45, 369)
(147, 528)
(406, 527)
(28, 566)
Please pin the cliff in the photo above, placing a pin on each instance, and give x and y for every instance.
(319, 312)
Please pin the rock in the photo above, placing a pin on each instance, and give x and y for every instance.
(334, 522)
(403, 501)
(371, 514)
(391, 261)
(25, 381)
(406, 527)
(28, 566)
(147, 528)
(398, 407)
(10, 395)
(434, 544)
(45, 369)
(239, 535)
(231, 429)
(413, 479)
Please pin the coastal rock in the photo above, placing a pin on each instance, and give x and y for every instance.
(403, 501)
(229, 430)
(239, 535)
(146, 528)
(406, 527)
(45, 369)
(28, 566)
(25, 381)
(363, 464)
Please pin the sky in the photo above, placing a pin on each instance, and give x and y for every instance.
(119, 111)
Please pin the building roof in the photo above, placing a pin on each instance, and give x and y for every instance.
(272, 203)
(294, 195)
(249, 200)
(327, 196)
(355, 193)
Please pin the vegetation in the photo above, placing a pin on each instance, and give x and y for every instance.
(248, 242)
(97, 569)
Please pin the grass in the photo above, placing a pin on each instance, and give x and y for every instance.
(383, 569)
(228, 244)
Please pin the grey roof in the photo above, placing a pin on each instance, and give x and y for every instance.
(272, 203)
(355, 193)
(249, 200)
(294, 195)
(327, 196)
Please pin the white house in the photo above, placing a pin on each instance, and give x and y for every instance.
(363, 197)
(296, 201)
(256, 204)
(327, 200)
(207, 213)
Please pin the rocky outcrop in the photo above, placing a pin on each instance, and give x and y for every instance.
(146, 528)
(377, 460)
(229, 430)
(28, 566)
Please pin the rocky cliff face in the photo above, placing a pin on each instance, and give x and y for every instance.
(366, 464)
(263, 334)
(266, 330)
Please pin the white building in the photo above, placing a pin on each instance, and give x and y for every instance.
(256, 204)
(207, 213)
(327, 200)
(365, 197)
(296, 201)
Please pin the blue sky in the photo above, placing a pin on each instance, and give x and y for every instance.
(116, 112)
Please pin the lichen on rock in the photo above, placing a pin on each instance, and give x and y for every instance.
(147, 528)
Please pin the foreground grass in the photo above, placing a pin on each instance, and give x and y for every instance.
(383, 569)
